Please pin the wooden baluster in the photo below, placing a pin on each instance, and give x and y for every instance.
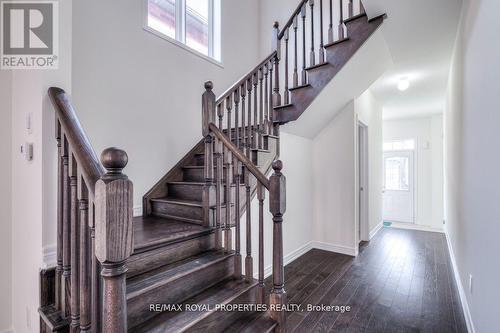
(248, 258)
(321, 42)
(95, 278)
(208, 116)
(296, 58)
(244, 143)
(361, 7)
(304, 73)
(277, 207)
(229, 106)
(287, 93)
(330, 25)
(249, 120)
(114, 237)
(227, 225)
(60, 208)
(85, 260)
(351, 8)
(312, 54)
(237, 232)
(266, 100)
(236, 94)
(255, 125)
(260, 286)
(75, 249)
(66, 283)
(260, 129)
(341, 21)
(277, 47)
(220, 114)
(271, 89)
(218, 193)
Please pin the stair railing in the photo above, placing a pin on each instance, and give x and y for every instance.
(94, 228)
(238, 166)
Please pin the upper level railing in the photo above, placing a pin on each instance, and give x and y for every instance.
(94, 227)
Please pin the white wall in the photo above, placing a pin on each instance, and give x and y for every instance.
(334, 210)
(5, 200)
(427, 131)
(142, 93)
(369, 112)
(471, 140)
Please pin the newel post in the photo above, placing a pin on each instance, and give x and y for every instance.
(114, 237)
(208, 116)
(277, 206)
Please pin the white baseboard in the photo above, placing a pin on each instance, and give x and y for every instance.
(137, 210)
(461, 290)
(49, 256)
(375, 230)
(412, 226)
(350, 251)
(287, 259)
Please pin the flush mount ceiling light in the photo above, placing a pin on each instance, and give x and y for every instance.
(403, 84)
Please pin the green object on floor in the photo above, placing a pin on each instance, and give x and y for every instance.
(387, 223)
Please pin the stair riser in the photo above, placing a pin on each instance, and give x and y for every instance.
(178, 290)
(185, 192)
(198, 175)
(174, 209)
(218, 321)
(146, 261)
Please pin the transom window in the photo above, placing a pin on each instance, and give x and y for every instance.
(397, 145)
(194, 24)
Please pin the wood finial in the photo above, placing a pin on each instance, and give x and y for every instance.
(114, 160)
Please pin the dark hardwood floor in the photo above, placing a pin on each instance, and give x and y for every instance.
(402, 281)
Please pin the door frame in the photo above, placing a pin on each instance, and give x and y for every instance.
(362, 183)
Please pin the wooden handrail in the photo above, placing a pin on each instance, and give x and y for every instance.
(289, 23)
(239, 155)
(244, 78)
(85, 155)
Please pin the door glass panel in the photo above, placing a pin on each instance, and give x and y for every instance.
(161, 16)
(197, 25)
(397, 173)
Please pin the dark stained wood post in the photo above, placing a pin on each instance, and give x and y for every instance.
(321, 42)
(114, 237)
(303, 14)
(208, 116)
(236, 117)
(60, 189)
(228, 241)
(295, 61)
(270, 92)
(75, 249)
(361, 7)
(237, 232)
(261, 287)
(341, 21)
(248, 258)
(351, 8)
(266, 100)
(277, 57)
(312, 54)
(218, 193)
(85, 260)
(287, 92)
(244, 131)
(249, 118)
(277, 206)
(330, 24)
(255, 126)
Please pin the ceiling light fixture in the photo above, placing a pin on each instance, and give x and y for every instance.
(403, 84)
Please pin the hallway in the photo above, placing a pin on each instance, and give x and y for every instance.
(402, 281)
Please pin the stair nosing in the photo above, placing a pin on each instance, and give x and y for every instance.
(326, 63)
(307, 85)
(166, 280)
(340, 41)
(282, 106)
(353, 18)
(186, 183)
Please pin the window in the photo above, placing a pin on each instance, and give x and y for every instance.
(194, 24)
(397, 173)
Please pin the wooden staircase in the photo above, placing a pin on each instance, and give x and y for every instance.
(118, 273)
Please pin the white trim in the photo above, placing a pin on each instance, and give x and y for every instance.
(287, 259)
(49, 256)
(342, 249)
(137, 210)
(375, 230)
(461, 290)
(412, 226)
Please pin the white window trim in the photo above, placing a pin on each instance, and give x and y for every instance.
(180, 32)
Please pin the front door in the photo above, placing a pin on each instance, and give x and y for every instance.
(399, 187)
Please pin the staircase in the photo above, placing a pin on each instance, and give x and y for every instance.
(177, 267)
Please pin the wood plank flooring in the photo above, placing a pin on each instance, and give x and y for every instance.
(402, 281)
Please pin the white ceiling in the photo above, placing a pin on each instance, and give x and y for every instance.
(420, 35)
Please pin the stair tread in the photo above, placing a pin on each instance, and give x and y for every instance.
(253, 322)
(152, 230)
(222, 293)
(307, 85)
(337, 42)
(283, 106)
(355, 17)
(317, 66)
(192, 203)
(153, 279)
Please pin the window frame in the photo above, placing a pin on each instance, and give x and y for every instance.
(214, 30)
